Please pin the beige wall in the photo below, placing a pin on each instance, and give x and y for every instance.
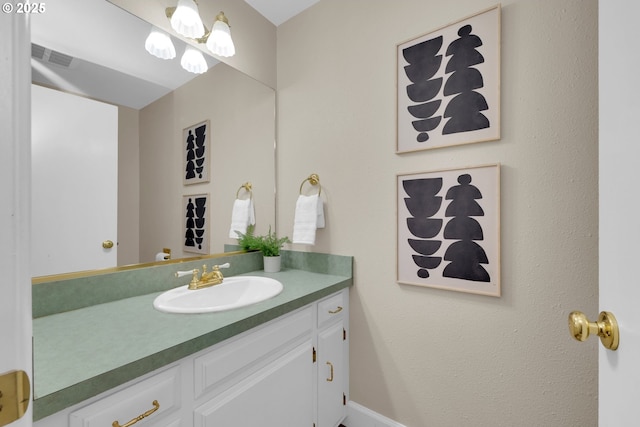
(128, 186)
(428, 357)
(241, 112)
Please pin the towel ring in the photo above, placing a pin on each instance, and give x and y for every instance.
(313, 179)
(247, 187)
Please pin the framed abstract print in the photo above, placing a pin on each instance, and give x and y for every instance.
(448, 85)
(195, 209)
(196, 153)
(448, 231)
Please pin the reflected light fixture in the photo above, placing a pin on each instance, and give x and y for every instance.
(219, 40)
(186, 21)
(193, 61)
(159, 44)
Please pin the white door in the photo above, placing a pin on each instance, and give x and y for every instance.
(15, 279)
(74, 187)
(619, 90)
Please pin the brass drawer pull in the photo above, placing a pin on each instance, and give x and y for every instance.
(156, 406)
(336, 311)
(330, 372)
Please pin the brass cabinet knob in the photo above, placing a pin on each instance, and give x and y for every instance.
(606, 327)
(107, 244)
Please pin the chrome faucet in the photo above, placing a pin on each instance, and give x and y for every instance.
(207, 279)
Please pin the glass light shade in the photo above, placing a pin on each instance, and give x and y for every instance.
(159, 44)
(186, 20)
(219, 41)
(193, 61)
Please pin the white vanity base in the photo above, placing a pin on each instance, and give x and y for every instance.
(290, 371)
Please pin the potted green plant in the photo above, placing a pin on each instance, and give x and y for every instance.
(269, 244)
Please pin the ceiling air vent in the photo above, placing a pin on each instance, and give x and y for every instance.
(60, 59)
(37, 51)
(51, 56)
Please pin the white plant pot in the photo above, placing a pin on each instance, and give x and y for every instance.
(272, 264)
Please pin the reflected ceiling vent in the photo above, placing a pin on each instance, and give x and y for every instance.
(51, 56)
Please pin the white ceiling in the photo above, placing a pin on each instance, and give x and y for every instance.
(107, 65)
(279, 11)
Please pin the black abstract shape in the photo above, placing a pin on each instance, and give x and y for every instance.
(425, 247)
(424, 62)
(465, 255)
(425, 228)
(462, 81)
(189, 234)
(463, 228)
(423, 91)
(464, 110)
(422, 188)
(417, 207)
(191, 223)
(463, 199)
(427, 262)
(473, 255)
(463, 50)
(190, 167)
(426, 125)
(464, 113)
(423, 203)
(426, 110)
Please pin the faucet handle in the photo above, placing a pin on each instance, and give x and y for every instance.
(225, 265)
(186, 273)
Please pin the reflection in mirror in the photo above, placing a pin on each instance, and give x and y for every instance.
(154, 105)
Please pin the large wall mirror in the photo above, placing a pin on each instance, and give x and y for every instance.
(156, 100)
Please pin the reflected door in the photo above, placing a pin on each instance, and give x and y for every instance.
(74, 183)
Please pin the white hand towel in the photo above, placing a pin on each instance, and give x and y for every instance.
(242, 215)
(309, 216)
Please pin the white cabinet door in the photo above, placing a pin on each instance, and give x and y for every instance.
(331, 376)
(151, 399)
(276, 395)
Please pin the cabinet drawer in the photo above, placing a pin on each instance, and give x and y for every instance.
(331, 308)
(128, 404)
(240, 357)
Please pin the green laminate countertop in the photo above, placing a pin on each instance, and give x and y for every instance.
(81, 353)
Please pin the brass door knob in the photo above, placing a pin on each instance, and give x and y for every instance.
(606, 327)
(107, 244)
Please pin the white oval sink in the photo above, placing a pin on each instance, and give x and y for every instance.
(233, 292)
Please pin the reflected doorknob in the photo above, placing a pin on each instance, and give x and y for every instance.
(606, 327)
(107, 244)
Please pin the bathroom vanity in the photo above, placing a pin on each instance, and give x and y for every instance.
(283, 361)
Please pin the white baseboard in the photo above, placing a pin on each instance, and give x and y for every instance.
(359, 416)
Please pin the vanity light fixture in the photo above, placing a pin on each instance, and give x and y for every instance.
(159, 44)
(193, 61)
(186, 21)
(219, 40)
